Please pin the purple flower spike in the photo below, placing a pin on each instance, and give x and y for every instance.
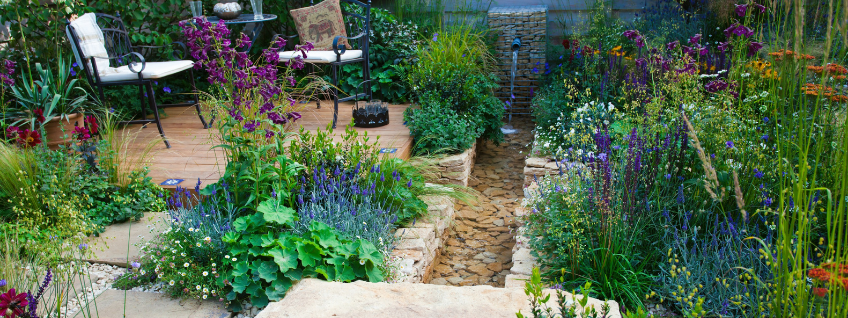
(672, 45)
(695, 39)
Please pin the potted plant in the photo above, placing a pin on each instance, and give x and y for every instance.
(51, 104)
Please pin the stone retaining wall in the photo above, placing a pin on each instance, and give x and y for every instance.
(456, 169)
(522, 260)
(420, 244)
(538, 167)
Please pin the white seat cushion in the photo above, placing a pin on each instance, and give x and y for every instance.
(320, 56)
(152, 70)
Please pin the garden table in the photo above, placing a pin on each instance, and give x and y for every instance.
(251, 23)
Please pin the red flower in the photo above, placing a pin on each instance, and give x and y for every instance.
(820, 292)
(28, 138)
(82, 133)
(566, 44)
(39, 115)
(12, 132)
(12, 305)
(91, 123)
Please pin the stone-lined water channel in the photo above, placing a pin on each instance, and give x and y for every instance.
(479, 251)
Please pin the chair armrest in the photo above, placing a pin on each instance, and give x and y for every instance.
(177, 53)
(343, 48)
(133, 57)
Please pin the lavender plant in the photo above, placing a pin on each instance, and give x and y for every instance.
(354, 209)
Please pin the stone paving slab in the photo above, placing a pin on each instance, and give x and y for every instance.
(315, 298)
(110, 304)
(111, 246)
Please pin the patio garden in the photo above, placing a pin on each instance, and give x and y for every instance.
(689, 162)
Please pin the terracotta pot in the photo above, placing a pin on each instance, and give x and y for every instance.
(53, 130)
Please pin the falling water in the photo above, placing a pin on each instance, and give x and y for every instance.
(507, 129)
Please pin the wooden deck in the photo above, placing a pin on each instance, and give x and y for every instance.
(191, 156)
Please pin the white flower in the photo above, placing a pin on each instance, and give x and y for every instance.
(205, 273)
(213, 264)
(191, 229)
(226, 256)
(234, 259)
(362, 262)
(171, 282)
(198, 287)
(197, 244)
(182, 274)
(207, 239)
(185, 265)
(178, 242)
(204, 296)
(206, 290)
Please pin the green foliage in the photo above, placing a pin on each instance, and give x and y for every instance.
(567, 306)
(264, 261)
(56, 96)
(392, 45)
(455, 108)
(107, 204)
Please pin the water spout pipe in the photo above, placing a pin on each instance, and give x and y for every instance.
(516, 44)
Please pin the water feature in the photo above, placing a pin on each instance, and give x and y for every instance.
(516, 45)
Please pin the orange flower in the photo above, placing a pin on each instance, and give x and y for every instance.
(835, 68)
(819, 274)
(839, 99)
(820, 292)
(815, 69)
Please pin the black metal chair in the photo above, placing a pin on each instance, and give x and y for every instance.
(133, 69)
(355, 23)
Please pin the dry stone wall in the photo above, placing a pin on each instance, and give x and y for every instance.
(537, 167)
(420, 244)
(456, 169)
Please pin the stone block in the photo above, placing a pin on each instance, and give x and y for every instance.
(515, 281)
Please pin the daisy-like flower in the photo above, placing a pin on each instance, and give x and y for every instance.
(226, 256)
(197, 244)
(197, 287)
(206, 290)
(185, 265)
(204, 296)
(234, 259)
(172, 282)
(191, 229)
(205, 273)
(182, 274)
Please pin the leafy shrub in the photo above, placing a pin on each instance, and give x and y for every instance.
(264, 261)
(455, 108)
(392, 46)
(718, 265)
(107, 203)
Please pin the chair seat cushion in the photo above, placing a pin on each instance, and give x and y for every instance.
(320, 56)
(152, 70)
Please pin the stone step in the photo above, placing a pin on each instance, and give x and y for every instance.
(110, 304)
(315, 298)
(111, 246)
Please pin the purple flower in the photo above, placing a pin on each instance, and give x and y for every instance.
(672, 45)
(758, 174)
(729, 145)
(409, 184)
(269, 133)
(293, 116)
(280, 42)
(82, 246)
(741, 9)
(166, 89)
(723, 46)
(765, 137)
(251, 125)
(135, 264)
(695, 39)
(275, 118)
(743, 31)
(716, 86)
(631, 34)
(760, 7)
(753, 48)
(243, 41)
(435, 37)
(73, 73)
(3, 283)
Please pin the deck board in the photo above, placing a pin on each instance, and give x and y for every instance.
(191, 156)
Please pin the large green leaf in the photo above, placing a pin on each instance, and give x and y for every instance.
(277, 290)
(324, 234)
(267, 270)
(276, 213)
(309, 253)
(286, 258)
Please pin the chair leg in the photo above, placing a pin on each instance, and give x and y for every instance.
(366, 74)
(141, 99)
(335, 91)
(197, 101)
(152, 99)
(317, 98)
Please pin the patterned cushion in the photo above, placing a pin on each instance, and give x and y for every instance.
(320, 24)
(92, 43)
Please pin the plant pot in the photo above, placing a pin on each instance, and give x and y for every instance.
(53, 130)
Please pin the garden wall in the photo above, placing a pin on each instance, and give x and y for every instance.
(420, 244)
(456, 169)
(538, 167)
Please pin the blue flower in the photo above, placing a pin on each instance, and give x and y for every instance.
(535, 70)
(435, 37)
(766, 120)
(729, 145)
(73, 73)
(75, 65)
(166, 89)
(82, 246)
(667, 176)
(758, 174)
(765, 137)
